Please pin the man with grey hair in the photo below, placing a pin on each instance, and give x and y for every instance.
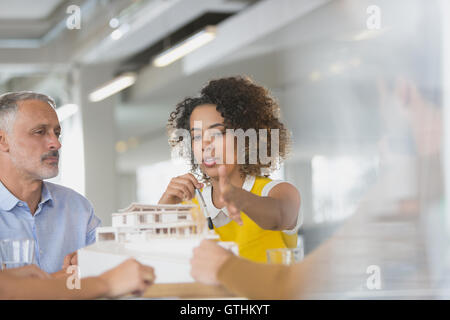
(59, 219)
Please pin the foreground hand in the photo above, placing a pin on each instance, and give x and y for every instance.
(207, 260)
(129, 277)
(227, 195)
(30, 271)
(60, 274)
(180, 188)
(70, 259)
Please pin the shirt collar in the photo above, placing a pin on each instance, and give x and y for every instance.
(8, 201)
(46, 195)
(207, 194)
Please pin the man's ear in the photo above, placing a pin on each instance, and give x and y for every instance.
(4, 145)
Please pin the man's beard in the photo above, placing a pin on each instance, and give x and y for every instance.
(39, 170)
(45, 171)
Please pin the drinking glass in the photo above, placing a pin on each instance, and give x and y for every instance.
(286, 256)
(16, 253)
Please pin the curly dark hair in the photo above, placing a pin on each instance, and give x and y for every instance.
(243, 105)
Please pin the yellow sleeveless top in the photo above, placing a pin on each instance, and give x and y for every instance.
(251, 239)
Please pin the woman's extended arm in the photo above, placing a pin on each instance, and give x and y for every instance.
(278, 211)
(212, 264)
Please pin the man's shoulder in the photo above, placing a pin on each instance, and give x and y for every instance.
(61, 192)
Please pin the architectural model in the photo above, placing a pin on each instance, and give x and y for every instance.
(162, 236)
(140, 222)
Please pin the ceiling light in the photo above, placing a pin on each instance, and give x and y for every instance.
(118, 84)
(187, 46)
(364, 34)
(368, 34)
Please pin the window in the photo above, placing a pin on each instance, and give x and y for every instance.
(106, 236)
(339, 183)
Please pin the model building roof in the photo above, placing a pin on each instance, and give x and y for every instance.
(139, 207)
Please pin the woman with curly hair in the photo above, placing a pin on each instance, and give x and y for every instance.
(245, 205)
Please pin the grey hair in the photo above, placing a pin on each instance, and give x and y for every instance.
(9, 105)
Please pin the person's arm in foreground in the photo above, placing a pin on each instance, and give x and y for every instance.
(129, 277)
(212, 264)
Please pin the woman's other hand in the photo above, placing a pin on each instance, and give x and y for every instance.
(181, 188)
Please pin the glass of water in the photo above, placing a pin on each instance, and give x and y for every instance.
(16, 253)
(286, 256)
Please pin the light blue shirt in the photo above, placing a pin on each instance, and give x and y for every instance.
(63, 223)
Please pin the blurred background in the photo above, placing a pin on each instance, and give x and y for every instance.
(364, 86)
